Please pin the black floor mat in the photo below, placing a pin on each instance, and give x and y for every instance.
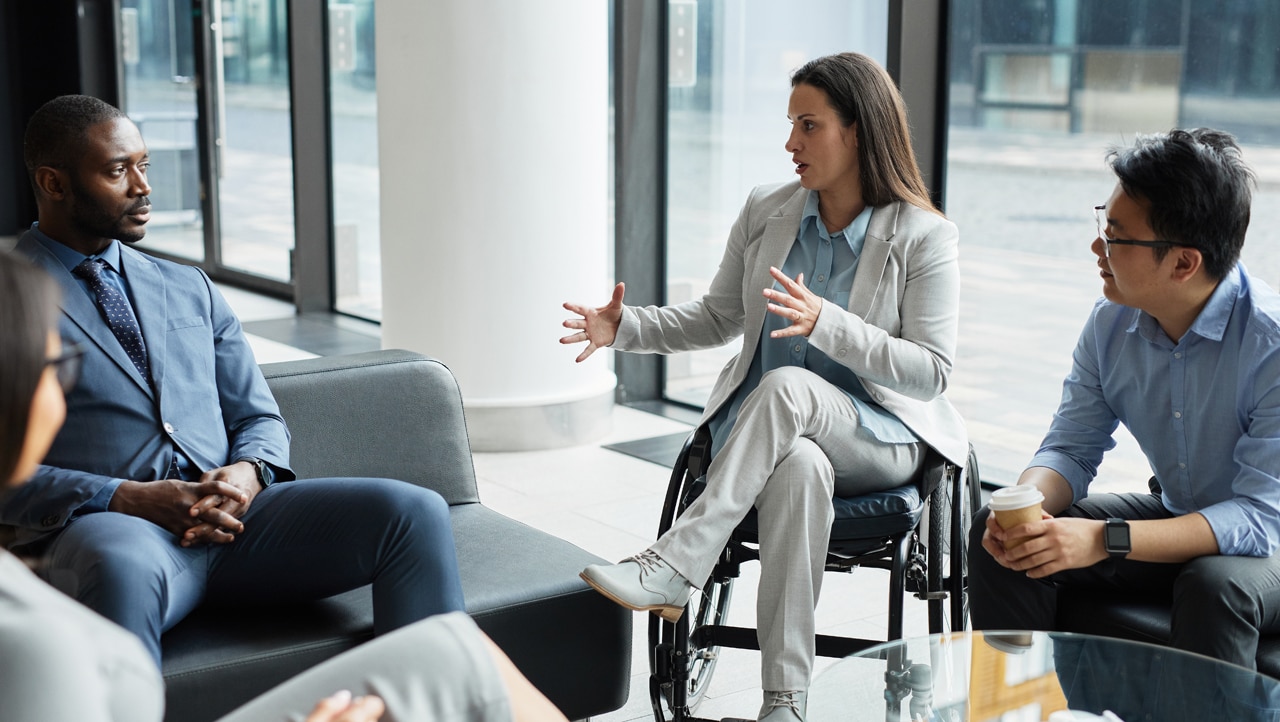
(661, 450)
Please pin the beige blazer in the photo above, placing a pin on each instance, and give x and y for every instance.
(898, 332)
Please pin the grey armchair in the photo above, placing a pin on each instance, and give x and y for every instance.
(399, 415)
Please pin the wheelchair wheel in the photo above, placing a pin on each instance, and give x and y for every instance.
(952, 505)
(676, 657)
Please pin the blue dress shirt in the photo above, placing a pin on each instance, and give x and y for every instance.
(1205, 410)
(828, 262)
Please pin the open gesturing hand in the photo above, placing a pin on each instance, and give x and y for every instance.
(796, 303)
(597, 326)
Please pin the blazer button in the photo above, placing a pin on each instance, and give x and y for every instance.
(51, 520)
(842, 352)
(168, 427)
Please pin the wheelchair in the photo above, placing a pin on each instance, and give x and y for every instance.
(918, 532)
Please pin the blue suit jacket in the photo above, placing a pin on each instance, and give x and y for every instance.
(209, 396)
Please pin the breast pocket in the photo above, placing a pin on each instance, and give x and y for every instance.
(176, 324)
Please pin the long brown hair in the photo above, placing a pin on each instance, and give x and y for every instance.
(861, 92)
(28, 311)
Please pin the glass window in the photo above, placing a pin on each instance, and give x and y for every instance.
(1039, 90)
(158, 60)
(730, 63)
(353, 112)
(255, 158)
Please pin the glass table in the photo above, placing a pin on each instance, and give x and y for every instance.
(1038, 677)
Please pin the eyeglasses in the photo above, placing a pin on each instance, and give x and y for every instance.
(1100, 213)
(66, 366)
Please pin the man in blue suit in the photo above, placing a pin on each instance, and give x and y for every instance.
(170, 482)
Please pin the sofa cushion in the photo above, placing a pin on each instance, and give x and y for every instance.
(521, 586)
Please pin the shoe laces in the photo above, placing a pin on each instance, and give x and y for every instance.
(790, 698)
(649, 562)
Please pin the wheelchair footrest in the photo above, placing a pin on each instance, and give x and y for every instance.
(931, 595)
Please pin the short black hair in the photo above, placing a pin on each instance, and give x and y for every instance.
(56, 132)
(1198, 188)
(28, 311)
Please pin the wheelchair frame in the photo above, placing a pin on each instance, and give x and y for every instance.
(683, 654)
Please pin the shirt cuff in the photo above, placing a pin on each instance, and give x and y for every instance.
(100, 501)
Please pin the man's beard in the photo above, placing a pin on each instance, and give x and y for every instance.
(91, 218)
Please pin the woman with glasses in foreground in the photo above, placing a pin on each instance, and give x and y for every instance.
(61, 662)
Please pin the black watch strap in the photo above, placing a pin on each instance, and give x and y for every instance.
(1115, 538)
(265, 476)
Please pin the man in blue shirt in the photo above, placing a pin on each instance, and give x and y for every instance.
(1184, 350)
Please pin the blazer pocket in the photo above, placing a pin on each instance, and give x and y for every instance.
(180, 323)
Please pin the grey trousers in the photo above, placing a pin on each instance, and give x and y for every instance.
(1221, 604)
(795, 444)
(435, 670)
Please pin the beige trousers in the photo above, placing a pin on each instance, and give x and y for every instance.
(795, 444)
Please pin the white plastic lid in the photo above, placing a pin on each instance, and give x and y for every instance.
(1015, 497)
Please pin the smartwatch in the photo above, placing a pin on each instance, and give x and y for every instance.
(1115, 538)
(260, 467)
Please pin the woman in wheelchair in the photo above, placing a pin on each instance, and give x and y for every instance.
(844, 285)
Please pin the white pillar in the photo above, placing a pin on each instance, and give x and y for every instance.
(493, 138)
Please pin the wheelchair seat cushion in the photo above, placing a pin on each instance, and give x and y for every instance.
(870, 516)
(881, 513)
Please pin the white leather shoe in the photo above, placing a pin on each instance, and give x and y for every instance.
(643, 583)
(783, 706)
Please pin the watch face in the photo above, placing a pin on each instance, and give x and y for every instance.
(1116, 537)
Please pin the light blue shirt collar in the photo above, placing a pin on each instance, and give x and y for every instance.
(855, 234)
(1211, 324)
(72, 258)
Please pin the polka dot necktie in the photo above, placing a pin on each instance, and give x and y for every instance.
(115, 307)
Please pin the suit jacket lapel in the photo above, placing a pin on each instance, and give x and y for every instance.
(82, 310)
(775, 244)
(874, 259)
(150, 306)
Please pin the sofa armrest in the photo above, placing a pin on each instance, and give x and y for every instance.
(401, 418)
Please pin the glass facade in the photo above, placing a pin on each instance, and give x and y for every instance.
(353, 114)
(249, 84)
(730, 63)
(1039, 90)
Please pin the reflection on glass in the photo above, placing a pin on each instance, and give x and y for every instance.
(160, 97)
(730, 64)
(353, 112)
(1039, 90)
(255, 172)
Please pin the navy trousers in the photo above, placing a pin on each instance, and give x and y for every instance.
(302, 540)
(1221, 604)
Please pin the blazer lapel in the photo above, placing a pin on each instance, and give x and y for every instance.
(82, 310)
(775, 244)
(874, 259)
(150, 306)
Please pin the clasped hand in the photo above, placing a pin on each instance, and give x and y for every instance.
(1050, 545)
(798, 305)
(206, 511)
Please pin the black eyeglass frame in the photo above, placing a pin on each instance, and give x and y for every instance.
(67, 365)
(1100, 214)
